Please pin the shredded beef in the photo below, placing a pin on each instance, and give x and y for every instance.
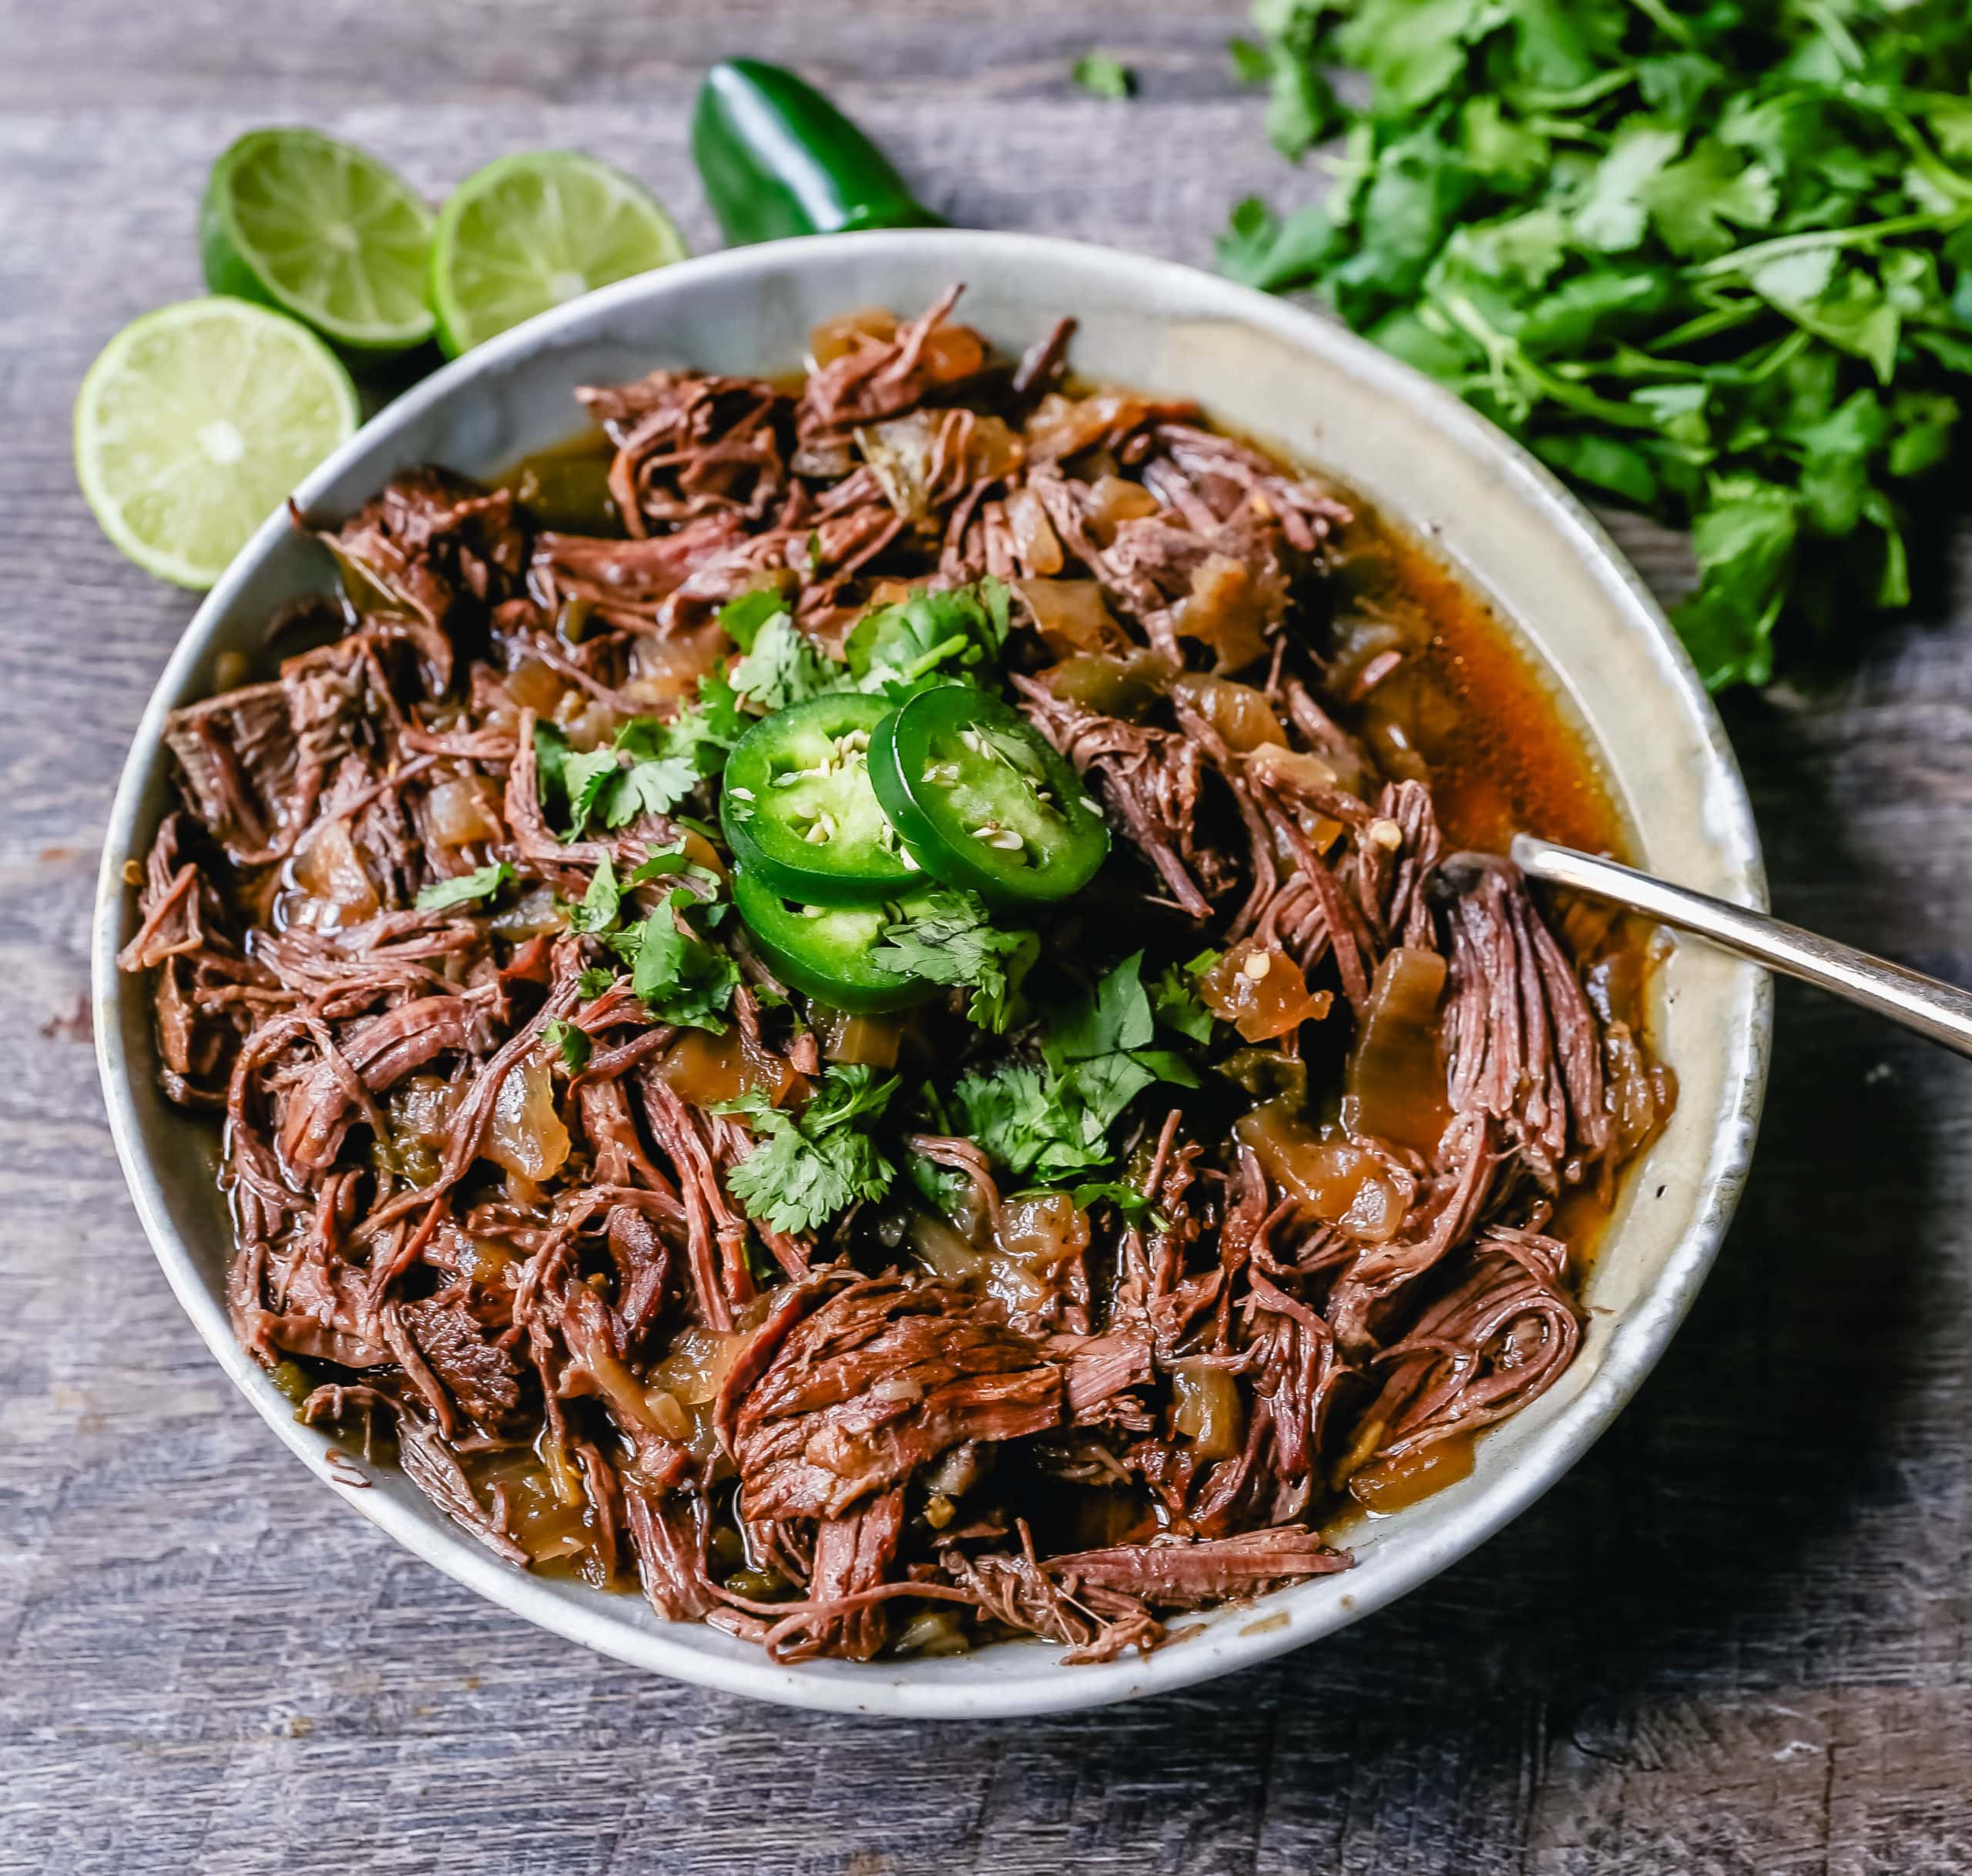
(1183, 1575)
(487, 1203)
(870, 1379)
(480, 1374)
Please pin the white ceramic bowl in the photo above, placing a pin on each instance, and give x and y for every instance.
(1294, 381)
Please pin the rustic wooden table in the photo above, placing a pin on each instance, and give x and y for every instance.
(1735, 1640)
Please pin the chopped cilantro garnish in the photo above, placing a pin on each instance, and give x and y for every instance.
(482, 883)
(1175, 1000)
(783, 668)
(931, 636)
(1126, 1198)
(551, 758)
(600, 903)
(704, 732)
(573, 1043)
(587, 776)
(679, 977)
(950, 940)
(1031, 1122)
(667, 862)
(602, 785)
(807, 1168)
(741, 619)
(1054, 1120)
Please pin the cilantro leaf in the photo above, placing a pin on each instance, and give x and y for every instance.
(1845, 305)
(1693, 201)
(668, 861)
(741, 618)
(949, 938)
(1175, 1002)
(1612, 213)
(1301, 108)
(601, 903)
(654, 787)
(1744, 539)
(1105, 76)
(1018, 1116)
(482, 883)
(1126, 1198)
(1114, 1016)
(703, 733)
(679, 977)
(551, 754)
(1104, 1085)
(1413, 49)
(1054, 1120)
(663, 767)
(1925, 421)
(1608, 463)
(585, 777)
(1260, 250)
(573, 1043)
(783, 668)
(805, 1168)
(957, 633)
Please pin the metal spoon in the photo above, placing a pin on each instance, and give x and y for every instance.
(1941, 1011)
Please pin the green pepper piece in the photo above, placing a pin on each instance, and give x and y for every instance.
(798, 810)
(778, 159)
(826, 951)
(983, 801)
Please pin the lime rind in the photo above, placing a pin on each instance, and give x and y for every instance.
(323, 231)
(533, 231)
(196, 422)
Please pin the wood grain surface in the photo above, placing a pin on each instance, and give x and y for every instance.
(1735, 1640)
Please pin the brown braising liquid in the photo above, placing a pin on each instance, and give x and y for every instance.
(1469, 707)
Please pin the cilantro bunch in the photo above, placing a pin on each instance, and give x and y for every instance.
(1710, 261)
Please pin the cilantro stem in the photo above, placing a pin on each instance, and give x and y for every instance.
(1940, 174)
(1506, 354)
(1574, 98)
(1709, 325)
(1778, 357)
(1838, 34)
(1751, 369)
(1559, 130)
(1742, 260)
(1666, 21)
(938, 654)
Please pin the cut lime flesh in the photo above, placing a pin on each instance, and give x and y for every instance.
(323, 231)
(195, 424)
(531, 232)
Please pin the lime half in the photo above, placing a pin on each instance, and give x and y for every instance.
(297, 221)
(195, 424)
(529, 231)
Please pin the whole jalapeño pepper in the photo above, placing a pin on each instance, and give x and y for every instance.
(777, 159)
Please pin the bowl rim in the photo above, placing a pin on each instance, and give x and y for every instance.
(878, 1688)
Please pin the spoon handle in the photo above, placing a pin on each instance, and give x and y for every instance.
(1941, 1011)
